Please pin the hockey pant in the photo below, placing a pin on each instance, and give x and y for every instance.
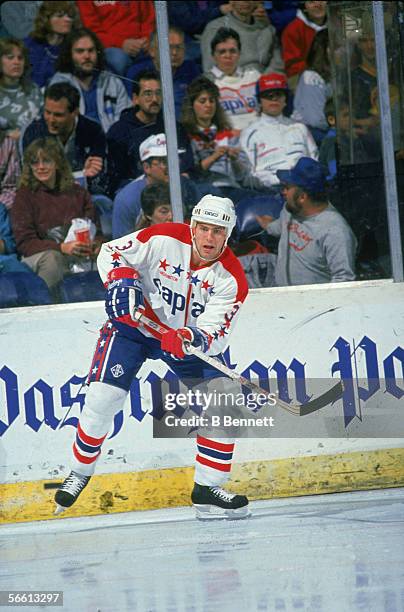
(117, 359)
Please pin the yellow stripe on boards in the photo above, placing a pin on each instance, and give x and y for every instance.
(171, 487)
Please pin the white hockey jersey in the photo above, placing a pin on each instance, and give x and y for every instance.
(176, 294)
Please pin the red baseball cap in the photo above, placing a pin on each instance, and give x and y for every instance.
(274, 80)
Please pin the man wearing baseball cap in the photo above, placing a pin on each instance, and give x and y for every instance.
(274, 142)
(316, 243)
(127, 203)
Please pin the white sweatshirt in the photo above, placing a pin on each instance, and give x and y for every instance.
(276, 143)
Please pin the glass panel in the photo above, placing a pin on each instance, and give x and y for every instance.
(359, 186)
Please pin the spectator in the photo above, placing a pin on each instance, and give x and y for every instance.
(275, 142)
(156, 205)
(328, 148)
(183, 71)
(298, 36)
(192, 17)
(9, 173)
(364, 77)
(354, 146)
(46, 203)
(123, 28)
(259, 45)
(81, 63)
(314, 88)
(143, 119)
(9, 261)
(127, 204)
(20, 99)
(18, 17)
(237, 85)
(316, 243)
(353, 157)
(9, 169)
(215, 145)
(53, 23)
(83, 141)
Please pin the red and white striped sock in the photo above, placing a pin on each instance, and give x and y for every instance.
(213, 461)
(103, 401)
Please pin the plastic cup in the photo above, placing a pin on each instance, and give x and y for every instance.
(83, 235)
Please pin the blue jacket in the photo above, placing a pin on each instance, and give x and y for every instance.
(127, 208)
(9, 261)
(42, 57)
(124, 139)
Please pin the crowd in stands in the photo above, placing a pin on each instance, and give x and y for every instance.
(82, 132)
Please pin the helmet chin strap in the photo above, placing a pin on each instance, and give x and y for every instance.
(197, 250)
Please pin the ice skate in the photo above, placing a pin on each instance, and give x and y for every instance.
(69, 491)
(216, 503)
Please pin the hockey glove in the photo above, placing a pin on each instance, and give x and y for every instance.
(174, 341)
(124, 295)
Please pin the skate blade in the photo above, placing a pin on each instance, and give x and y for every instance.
(206, 512)
(59, 509)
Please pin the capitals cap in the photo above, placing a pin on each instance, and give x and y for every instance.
(154, 146)
(268, 82)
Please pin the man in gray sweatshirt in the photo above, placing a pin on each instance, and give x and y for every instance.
(316, 243)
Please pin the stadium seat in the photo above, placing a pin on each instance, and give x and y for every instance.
(23, 289)
(82, 287)
(247, 226)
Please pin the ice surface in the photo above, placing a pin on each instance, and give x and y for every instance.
(330, 553)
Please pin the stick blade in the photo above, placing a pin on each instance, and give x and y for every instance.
(326, 398)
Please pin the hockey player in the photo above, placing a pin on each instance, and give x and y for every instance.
(186, 279)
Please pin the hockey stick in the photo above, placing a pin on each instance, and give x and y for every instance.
(296, 409)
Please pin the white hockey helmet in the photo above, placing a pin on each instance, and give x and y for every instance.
(216, 211)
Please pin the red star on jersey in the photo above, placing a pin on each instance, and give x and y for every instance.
(163, 264)
(115, 256)
(206, 285)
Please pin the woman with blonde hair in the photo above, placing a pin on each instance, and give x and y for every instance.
(21, 100)
(46, 202)
(53, 22)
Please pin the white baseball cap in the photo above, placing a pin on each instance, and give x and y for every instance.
(154, 146)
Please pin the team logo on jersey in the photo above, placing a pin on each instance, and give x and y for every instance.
(117, 370)
(298, 238)
(177, 301)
